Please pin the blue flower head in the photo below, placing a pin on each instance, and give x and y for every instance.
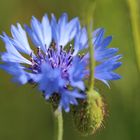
(56, 66)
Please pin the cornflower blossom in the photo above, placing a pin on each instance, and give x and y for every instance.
(56, 65)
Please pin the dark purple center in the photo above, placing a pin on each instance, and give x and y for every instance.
(57, 58)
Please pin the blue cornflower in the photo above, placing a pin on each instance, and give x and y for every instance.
(57, 68)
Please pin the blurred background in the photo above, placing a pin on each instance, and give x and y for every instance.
(24, 114)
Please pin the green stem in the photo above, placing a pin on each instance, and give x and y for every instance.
(90, 12)
(91, 59)
(133, 6)
(59, 117)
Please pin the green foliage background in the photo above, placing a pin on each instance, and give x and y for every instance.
(24, 114)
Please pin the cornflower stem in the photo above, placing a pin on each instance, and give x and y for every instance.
(91, 59)
(133, 7)
(91, 9)
(59, 116)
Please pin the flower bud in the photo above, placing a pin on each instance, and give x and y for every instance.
(89, 114)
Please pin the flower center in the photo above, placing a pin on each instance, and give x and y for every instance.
(57, 58)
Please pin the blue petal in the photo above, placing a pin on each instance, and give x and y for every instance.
(96, 32)
(70, 31)
(101, 55)
(81, 41)
(78, 84)
(36, 28)
(108, 66)
(17, 71)
(64, 31)
(40, 32)
(55, 31)
(99, 38)
(12, 55)
(69, 97)
(106, 41)
(47, 32)
(8, 57)
(50, 80)
(76, 73)
(104, 71)
(20, 39)
(107, 76)
(62, 21)
(32, 35)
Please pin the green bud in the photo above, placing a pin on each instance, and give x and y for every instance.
(89, 114)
